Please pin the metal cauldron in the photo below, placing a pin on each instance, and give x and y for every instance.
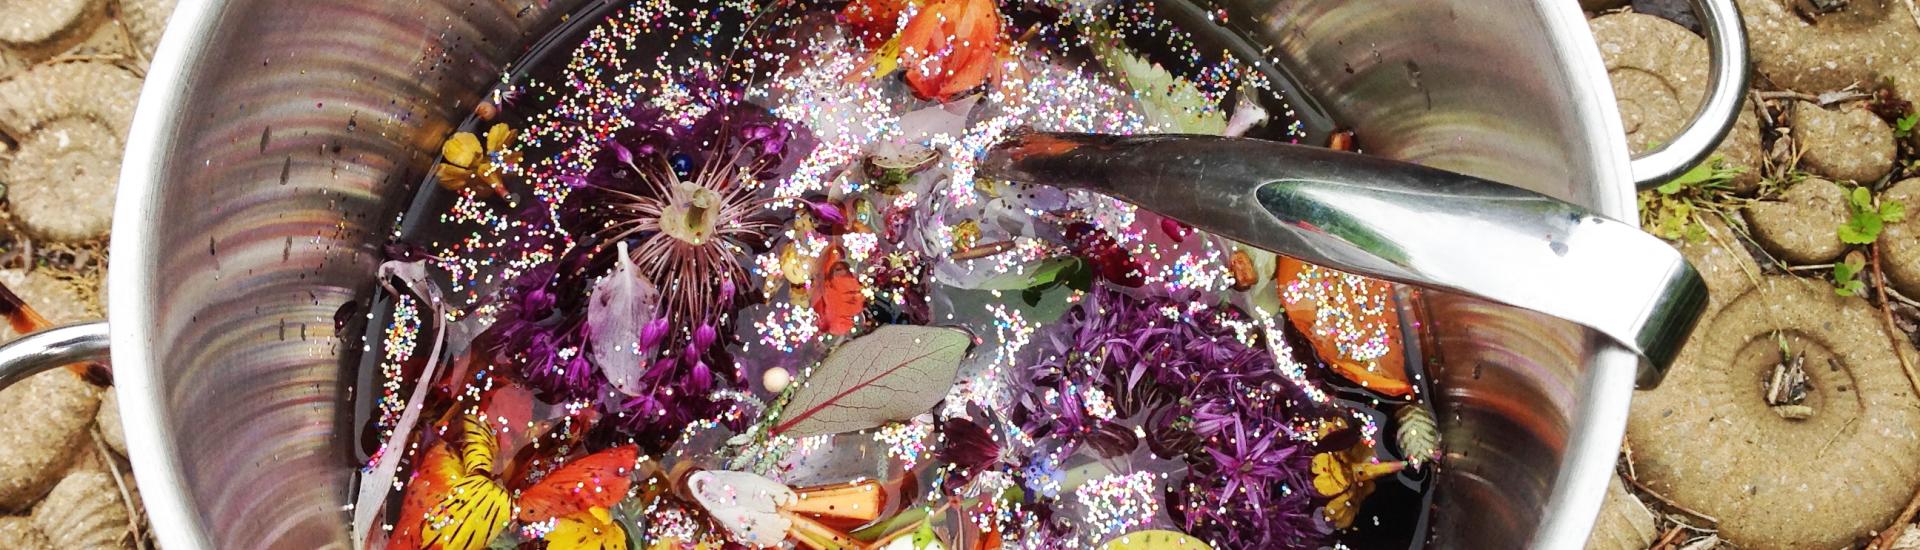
(275, 142)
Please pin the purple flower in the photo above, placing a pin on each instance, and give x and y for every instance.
(969, 447)
(1201, 395)
(827, 212)
(544, 338)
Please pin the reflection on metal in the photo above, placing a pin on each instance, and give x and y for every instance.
(1391, 220)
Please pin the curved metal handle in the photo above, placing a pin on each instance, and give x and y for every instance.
(1728, 71)
(51, 348)
(1391, 220)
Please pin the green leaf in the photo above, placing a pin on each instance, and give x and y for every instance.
(890, 374)
(1846, 274)
(1714, 172)
(1692, 176)
(1903, 127)
(1862, 199)
(1861, 230)
(1864, 226)
(1033, 275)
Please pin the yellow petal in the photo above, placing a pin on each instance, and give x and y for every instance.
(477, 445)
(476, 510)
(591, 529)
(1341, 510)
(498, 136)
(462, 149)
(886, 59)
(1331, 474)
(453, 177)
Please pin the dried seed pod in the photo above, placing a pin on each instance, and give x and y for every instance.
(1417, 435)
(1240, 266)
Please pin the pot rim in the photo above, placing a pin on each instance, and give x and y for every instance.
(1580, 483)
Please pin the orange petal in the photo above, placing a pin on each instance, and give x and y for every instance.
(431, 481)
(950, 46)
(837, 297)
(856, 503)
(596, 480)
(1360, 337)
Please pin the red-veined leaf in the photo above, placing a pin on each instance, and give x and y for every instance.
(893, 373)
(597, 480)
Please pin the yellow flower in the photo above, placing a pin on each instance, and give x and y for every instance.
(590, 529)
(466, 165)
(1347, 476)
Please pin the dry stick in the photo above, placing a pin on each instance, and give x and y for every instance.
(1668, 539)
(1902, 298)
(1669, 502)
(1886, 319)
(126, 497)
(1885, 539)
(1834, 437)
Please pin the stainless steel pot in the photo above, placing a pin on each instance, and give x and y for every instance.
(274, 142)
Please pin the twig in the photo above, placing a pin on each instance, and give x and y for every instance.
(134, 516)
(1894, 336)
(1914, 12)
(1902, 298)
(1789, 94)
(1814, 267)
(1835, 436)
(1668, 539)
(1753, 98)
(1669, 502)
(1885, 538)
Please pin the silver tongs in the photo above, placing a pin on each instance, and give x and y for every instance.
(1390, 220)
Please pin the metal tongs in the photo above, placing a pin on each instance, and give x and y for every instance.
(1390, 220)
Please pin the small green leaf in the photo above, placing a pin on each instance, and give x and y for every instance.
(1864, 226)
(1903, 127)
(1862, 198)
(1846, 275)
(1861, 230)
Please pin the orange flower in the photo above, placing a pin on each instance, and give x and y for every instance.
(874, 21)
(838, 296)
(949, 47)
(456, 502)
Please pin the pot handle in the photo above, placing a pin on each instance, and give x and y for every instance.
(51, 348)
(1728, 71)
